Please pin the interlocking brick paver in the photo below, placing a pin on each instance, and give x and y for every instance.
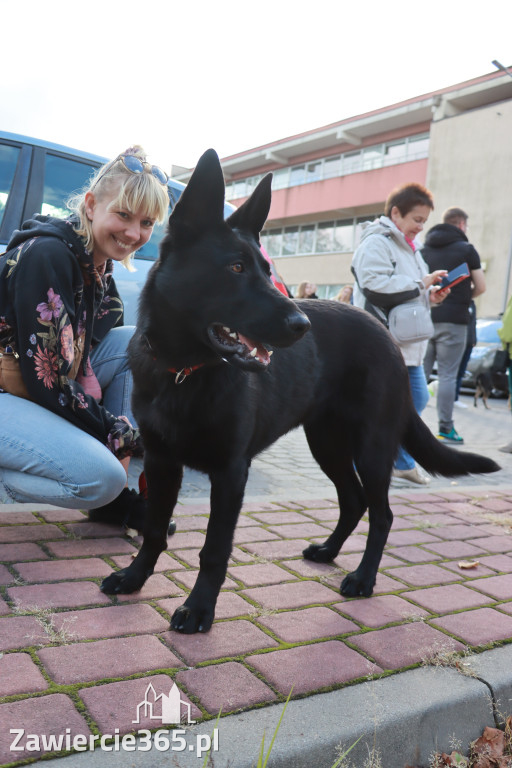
(226, 686)
(253, 533)
(324, 515)
(59, 515)
(413, 554)
(116, 705)
(456, 532)
(226, 638)
(495, 505)
(499, 562)
(476, 570)
(423, 575)
(295, 595)
(120, 657)
(277, 550)
(5, 576)
(157, 585)
(189, 578)
(230, 605)
(21, 632)
(52, 714)
(403, 645)
(300, 530)
(280, 516)
(185, 540)
(495, 544)
(39, 532)
(164, 563)
(4, 608)
(311, 667)
(499, 587)
(506, 607)
(462, 549)
(64, 594)
(259, 574)
(307, 624)
(412, 536)
(478, 627)
(17, 518)
(453, 597)
(379, 610)
(12, 553)
(88, 547)
(58, 570)
(91, 530)
(110, 621)
(19, 674)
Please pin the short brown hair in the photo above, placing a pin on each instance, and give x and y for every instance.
(406, 197)
(454, 215)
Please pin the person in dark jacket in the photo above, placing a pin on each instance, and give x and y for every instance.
(446, 246)
(68, 438)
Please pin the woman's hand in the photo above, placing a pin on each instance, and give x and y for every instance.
(434, 277)
(437, 295)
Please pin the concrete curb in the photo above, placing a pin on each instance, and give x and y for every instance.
(404, 717)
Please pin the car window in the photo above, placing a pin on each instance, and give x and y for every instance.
(62, 177)
(8, 161)
(487, 331)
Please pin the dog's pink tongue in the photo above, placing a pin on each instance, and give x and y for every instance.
(261, 352)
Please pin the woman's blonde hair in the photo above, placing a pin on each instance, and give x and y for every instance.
(136, 192)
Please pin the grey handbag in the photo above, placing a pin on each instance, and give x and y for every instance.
(411, 321)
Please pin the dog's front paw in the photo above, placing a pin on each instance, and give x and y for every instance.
(190, 620)
(319, 553)
(122, 582)
(355, 586)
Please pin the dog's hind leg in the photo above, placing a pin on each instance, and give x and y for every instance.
(375, 477)
(335, 459)
(227, 492)
(164, 481)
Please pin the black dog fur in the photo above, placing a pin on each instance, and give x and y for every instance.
(335, 370)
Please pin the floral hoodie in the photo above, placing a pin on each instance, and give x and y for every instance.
(50, 295)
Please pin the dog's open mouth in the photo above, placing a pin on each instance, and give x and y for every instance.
(237, 348)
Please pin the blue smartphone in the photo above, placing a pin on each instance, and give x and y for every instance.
(455, 276)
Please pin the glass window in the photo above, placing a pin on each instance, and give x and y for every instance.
(373, 157)
(297, 175)
(307, 239)
(280, 180)
(274, 240)
(332, 167)
(352, 162)
(239, 189)
(417, 147)
(313, 171)
(344, 236)
(8, 162)
(290, 241)
(325, 237)
(395, 152)
(62, 177)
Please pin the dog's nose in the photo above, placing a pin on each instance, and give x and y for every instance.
(298, 324)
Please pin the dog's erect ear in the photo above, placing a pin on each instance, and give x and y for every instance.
(201, 205)
(252, 215)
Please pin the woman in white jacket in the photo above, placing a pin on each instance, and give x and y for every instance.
(389, 270)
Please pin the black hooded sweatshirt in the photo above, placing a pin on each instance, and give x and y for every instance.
(446, 247)
(50, 294)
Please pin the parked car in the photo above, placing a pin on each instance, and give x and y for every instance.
(484, 352)
(38, 177)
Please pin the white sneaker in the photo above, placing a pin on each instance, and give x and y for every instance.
(414, 475)
(459, 404)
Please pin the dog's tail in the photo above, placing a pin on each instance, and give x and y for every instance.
(439, 459)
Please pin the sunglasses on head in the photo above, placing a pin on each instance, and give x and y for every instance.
(134, 164)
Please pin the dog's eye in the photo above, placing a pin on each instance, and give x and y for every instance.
(237, 267)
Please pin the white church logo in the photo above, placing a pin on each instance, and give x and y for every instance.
(171, 706)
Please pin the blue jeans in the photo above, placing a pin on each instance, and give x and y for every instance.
(420, 396)
(46, 459)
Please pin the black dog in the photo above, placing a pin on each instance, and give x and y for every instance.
(208, 395)
(487, 382)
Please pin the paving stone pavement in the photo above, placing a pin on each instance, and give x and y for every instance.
(76, 662)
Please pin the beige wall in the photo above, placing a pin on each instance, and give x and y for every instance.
(470, 166)
(327, 268)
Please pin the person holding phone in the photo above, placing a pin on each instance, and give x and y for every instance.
(447, 247)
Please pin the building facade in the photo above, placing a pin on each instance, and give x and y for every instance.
(329, 181)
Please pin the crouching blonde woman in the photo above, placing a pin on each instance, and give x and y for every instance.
(66, 427)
